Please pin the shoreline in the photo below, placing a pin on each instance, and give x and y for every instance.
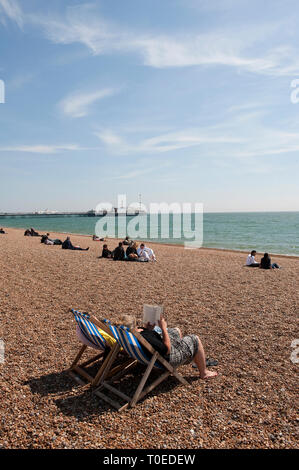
(175, 245)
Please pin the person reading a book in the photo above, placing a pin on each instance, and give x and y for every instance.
(176, 349)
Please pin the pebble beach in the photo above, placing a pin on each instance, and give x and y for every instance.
(246, 319)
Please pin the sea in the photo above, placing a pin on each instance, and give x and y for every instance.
(272, 232)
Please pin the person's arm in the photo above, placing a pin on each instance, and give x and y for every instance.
(166, 339)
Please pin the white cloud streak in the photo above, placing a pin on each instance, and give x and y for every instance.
(242, 137)
(231, 47)
(77, 104)
(40, 149)
(12, 10)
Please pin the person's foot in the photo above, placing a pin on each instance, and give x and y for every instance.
(208, 374)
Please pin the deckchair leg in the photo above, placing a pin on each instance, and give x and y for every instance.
(144, 379)
(108, 362)
(104, 366)
(154, 384)
(78, 356)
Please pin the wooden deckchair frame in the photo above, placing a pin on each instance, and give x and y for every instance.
(80, 369)
(140, 391)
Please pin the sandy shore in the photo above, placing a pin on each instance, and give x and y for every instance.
(246, 318)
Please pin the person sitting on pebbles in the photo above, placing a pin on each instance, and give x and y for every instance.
(2, 230)
(131, 252)
(176, 349)
(146, 253)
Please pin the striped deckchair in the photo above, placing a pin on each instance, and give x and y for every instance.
(132, 341)
(89, 334)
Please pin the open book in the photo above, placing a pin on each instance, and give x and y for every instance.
(152, 314)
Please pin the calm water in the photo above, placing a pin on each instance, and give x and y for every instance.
(274, 232)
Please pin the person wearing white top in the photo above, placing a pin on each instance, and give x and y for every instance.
(250, 261)
(145, 252)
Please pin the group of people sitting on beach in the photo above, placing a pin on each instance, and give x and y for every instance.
(265, 262)
(132, 253)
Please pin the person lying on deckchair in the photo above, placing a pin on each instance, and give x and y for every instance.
(176, 349)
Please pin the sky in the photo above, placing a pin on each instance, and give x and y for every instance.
(177, 100)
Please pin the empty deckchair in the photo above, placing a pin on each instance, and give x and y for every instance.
(91, 336)
(132, 341)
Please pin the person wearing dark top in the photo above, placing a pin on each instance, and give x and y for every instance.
(176, 349)
(1, 230)
(44, 238)
(154, 340)
(34, 233)
(67, 245)
(106, 253)
(119, 253)
(27, 233)
(131, 252)
(266, 263)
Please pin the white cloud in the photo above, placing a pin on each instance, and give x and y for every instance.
(77, 104)
(41, 149)
(243, 136)
(12, 10)
(246, 48)
(231, 47)
(162, 143)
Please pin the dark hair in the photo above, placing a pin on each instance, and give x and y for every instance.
(253, 251)
(105, 246)
(120, 244)
(266, 255)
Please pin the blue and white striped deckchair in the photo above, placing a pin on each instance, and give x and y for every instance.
(130, 344)
(132, 341)
(91, 336)
(89, 330)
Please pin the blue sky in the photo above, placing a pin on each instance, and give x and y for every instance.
(179, 100)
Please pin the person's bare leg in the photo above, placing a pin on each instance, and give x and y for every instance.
(200, 360)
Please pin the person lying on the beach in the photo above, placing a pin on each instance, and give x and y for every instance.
(119, 253)
(2, 230)
(45, 237)
(67, 245)
(266, 263)
(127, 241)
(176, 349)
(105, 252)
(146, 253)
(98, 239)
(250, 261)
(49, 241)
(34, 233)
